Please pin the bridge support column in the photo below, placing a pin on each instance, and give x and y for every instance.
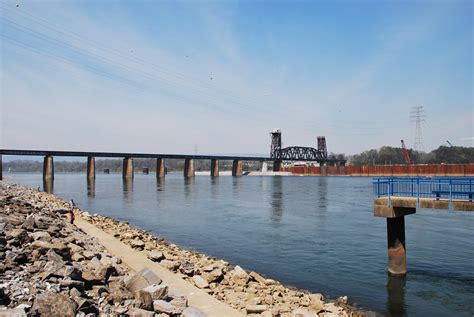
(188, 168)
(48, 168)
(160, 168)
(397, 259)
(1, 168)
(237, 168)
(276, 166)
(127, 171)
(214, 168)
(90, 168)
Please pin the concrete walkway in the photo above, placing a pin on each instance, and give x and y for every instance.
(138, 260)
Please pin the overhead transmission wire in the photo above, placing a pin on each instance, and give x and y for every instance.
(51, 26)
(218, 91)
(99, 72)
(69, 46)
(87, 53)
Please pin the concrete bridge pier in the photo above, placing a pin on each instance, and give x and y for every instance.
(276, 166)
(48, 168)
(397, 254)
(127, 171)
(160, 168)
(188, 168)
(397, 259)
(91, 187)
(1, 170)
(237, 168)
(90, 168)
(214, 168)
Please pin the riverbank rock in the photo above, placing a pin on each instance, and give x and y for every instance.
(46, 262)
(142, 279)
(54, 305)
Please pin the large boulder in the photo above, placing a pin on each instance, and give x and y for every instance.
(53, 305)
(239, 272)
(142, 279)
(156, 291)
(156, 256)
(17, 236)
(13, 312)
(41, 235)
(160, 306)
(58, 247)
(199, 281)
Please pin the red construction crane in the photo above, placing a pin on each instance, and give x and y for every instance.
(406, 155)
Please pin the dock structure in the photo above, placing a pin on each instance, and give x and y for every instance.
(400, 197)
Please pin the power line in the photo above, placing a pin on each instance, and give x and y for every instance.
(88, 54)
(198, 84)
(102, 73)
(417, 115)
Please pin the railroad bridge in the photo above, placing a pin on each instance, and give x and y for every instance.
(277, 156)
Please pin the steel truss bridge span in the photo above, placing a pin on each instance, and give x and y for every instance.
(300, 153)
(293, 153)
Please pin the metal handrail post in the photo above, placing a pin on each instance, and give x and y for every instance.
(388, 192)
(418, 193)
(450, 194)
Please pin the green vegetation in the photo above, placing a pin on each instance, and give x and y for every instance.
(392, 155)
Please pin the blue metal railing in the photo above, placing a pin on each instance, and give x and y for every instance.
(458, 188)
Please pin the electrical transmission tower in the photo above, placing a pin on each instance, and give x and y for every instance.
(417, 115)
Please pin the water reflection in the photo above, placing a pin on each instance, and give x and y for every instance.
(277, 198)
(48, 185)
(323, 193)
(236, 184)
(396, 296)
(214, 187)
(91, 187)
(188, 185)
(160, 184)
(127, 189)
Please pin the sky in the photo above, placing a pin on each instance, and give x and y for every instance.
(215, 77)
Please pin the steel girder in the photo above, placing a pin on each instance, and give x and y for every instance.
(300, 153)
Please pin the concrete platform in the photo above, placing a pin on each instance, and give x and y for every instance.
(406, 205)
(137, 260)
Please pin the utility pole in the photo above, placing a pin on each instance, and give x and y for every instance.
(417, 115)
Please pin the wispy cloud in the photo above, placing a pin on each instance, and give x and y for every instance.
(100, 80)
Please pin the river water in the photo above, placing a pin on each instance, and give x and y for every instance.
(313, 233)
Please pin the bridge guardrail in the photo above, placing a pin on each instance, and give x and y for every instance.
(448, 188)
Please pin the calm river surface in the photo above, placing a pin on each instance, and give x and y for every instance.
(314, 233)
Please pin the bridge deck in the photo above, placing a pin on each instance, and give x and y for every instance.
(134, 155)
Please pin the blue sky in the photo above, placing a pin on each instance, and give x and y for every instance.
(166, 76)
